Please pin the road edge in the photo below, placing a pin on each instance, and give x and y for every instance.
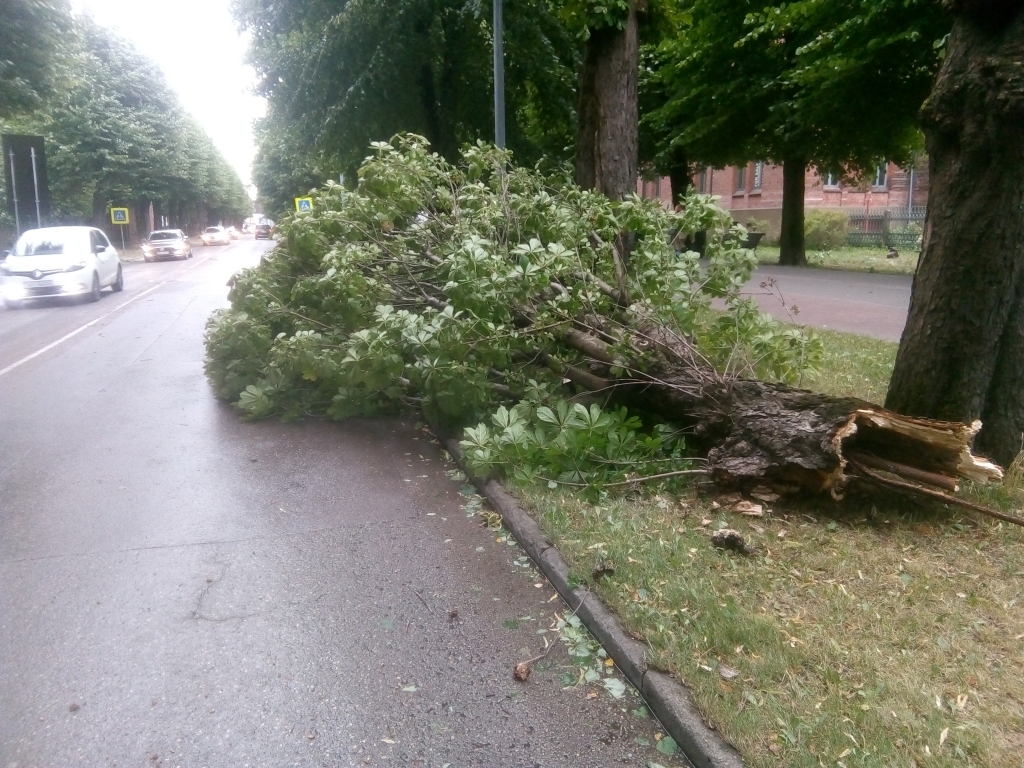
(667, 698)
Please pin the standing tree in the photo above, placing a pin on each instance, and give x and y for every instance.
(607, 131)
(962, 352)
(31, 33)
(115, 133)
(337, 79)
(836, 85)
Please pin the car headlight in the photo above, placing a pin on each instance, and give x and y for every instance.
(75, 267)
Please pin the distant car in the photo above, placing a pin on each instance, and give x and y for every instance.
(233, 233)
(60, 261)
(167, 244)
(216, 236)
(263, 232)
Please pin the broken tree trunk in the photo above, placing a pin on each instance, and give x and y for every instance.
(758, 433)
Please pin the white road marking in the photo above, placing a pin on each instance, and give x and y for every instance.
(91, 323)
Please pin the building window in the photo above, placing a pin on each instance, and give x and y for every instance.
(758, 175)
(741, 179)
(702, 181)
(830, 180)
(881, 175)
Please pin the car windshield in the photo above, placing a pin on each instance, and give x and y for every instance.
(213, 230)
(39, 242)
(165, 236)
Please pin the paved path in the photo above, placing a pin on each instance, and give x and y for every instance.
(858, 302)
(182, 588)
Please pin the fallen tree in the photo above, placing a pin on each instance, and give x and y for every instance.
(463, 291)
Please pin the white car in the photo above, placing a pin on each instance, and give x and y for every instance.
(216, 236)
(60, 261)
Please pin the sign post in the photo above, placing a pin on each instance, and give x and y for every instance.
(119, 216)
(303, 204)
(25, 178)
(14, 190)
(35, 185)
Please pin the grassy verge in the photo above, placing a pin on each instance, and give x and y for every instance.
(867, 633)
(849, 258)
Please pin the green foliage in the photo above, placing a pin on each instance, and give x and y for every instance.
(339, 75)
(757, 225)
(824, 229)
(435, 286)
(587, 15)
(753, 81)
(115, 133)
(30, 41)
(570, 443)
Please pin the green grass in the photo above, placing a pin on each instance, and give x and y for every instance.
(870, 632)
(850, 258)
(852, 365)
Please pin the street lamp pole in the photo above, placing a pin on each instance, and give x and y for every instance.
(499, 76)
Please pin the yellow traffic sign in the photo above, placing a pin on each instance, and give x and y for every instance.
(119, 215)
(303, 204)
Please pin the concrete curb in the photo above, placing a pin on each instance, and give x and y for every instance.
(665, 697)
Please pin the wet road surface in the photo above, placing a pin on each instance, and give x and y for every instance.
(181, 588)
(864, 303)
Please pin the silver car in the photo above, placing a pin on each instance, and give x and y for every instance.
(60, 261)
(167, 244)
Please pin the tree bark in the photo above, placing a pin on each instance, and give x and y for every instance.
(99, 209)
(607, 137)
(791, 240)
(962, 352)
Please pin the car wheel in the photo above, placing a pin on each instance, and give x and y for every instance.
(118, 284)
(94, 294)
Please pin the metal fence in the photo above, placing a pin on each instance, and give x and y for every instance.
(888, 227)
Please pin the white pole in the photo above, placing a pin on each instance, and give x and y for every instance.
(35, 182)
(499, 76)
(14, 191)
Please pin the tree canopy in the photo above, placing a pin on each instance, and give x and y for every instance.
(31, 34)
(338, 74)
(837, 85)
(116, 133)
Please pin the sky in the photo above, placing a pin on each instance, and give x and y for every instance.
(197, 45)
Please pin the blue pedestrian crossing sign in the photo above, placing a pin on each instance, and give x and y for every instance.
(303, 204)
(119, 215)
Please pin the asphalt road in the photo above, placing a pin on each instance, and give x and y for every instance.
(858, 302)
(182, 588)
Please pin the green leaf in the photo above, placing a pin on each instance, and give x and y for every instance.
(667, 746)
(615, 687)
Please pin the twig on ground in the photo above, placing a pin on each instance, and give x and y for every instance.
(635, 480)
(423, 600)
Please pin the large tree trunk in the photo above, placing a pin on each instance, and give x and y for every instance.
(962, 352)
(607, 136)
(791, 240)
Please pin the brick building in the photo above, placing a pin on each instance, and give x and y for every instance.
(754, 191)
